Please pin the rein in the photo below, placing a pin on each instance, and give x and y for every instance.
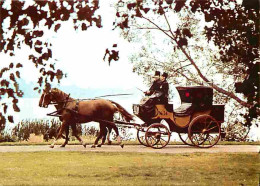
(56, 113)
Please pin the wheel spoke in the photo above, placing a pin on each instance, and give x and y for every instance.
(157, 136)
(203, 137)
(212, 128)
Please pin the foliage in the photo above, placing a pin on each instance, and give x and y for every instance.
(225, 47)
(47, 128)
(26, 24)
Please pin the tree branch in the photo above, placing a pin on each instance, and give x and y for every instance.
(204, 78)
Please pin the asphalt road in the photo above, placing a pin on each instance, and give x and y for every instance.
(171, 149)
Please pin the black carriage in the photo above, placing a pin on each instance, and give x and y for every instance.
(197, 121)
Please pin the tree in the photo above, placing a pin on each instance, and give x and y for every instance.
(24, 24)
(231, 30)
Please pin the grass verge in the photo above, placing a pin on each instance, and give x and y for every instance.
(91, 141)
(95, 168)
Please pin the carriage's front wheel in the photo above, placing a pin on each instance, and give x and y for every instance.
(141, 136)
(157, 136)
(204, 131)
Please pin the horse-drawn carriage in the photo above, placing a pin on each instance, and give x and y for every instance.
(197, 121)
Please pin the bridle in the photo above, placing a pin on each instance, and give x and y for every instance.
(52, 102)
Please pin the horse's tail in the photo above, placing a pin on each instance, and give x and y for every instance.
(128, 117)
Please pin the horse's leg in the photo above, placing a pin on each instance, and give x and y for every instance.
(58, 129)
(75, 133)
(109, 129)
(59, 135)
(66, 137)
(101, 126)
(104, 135)
(117, 133)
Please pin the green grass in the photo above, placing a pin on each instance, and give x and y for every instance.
(93, 168)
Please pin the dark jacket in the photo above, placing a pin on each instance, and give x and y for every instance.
(164, 89)
(155, 87)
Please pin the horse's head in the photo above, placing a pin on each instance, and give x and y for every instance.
(48, 97)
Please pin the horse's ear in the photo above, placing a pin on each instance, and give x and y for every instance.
(54, 90)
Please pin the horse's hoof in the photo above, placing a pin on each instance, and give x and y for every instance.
(52, 146)
(85, 145)
(109, 143)
(62, 146)
(93, 146)
(99, 145)
(122, 145)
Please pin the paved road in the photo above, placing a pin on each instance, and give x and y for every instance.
(172, 149)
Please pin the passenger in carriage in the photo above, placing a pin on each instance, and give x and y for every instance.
(164, 89)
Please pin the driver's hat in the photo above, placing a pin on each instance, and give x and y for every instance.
(157, 73)
(165, 75)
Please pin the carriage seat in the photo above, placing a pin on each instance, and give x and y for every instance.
(184, 110)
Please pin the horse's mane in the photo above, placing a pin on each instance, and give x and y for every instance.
(60, 93)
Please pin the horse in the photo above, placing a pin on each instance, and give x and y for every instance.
(72, 111)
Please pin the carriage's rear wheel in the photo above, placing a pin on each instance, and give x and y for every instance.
(141, 136)
(204, 131)
(185, 139)
(157, 136)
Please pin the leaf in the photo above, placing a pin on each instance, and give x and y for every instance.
(50, 53)
(2, 121)
(4, 83)
(98, 21)
(169, 1)
(38, 49)
(11, 65)
(16, 108)
(37, 33)
(19, 65)
(183, 42)
(186, 32)
(38, 42)
(12, 77)
(160, 11)
(146, 10)
(10, 119)
(40, 81)
(59, 74)
(5, 107)
(179, 4)
(10, 92)
(84, 26)
(3, 71)
(57, 27)
(131, 5)
(17, 74)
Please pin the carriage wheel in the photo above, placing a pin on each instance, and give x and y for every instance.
(141, 136)
(185, 139)
(157, 136)
(204, 131)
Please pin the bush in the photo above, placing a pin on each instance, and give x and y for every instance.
(47, 128)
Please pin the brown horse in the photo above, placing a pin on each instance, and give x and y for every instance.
(72, 111)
